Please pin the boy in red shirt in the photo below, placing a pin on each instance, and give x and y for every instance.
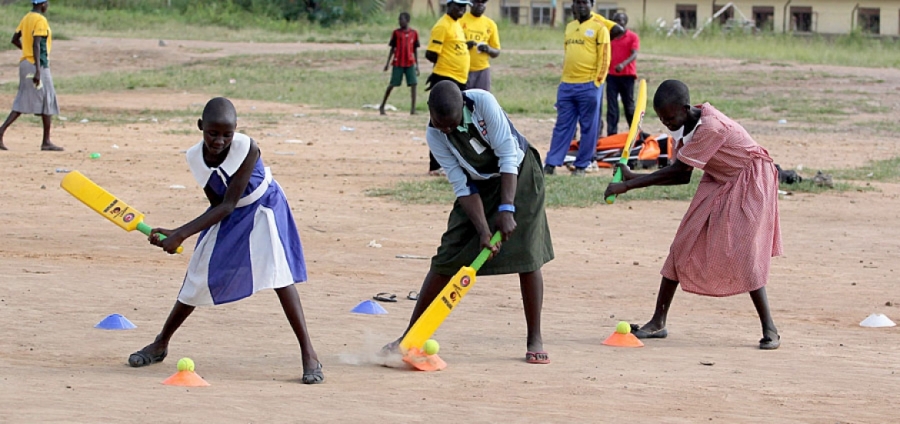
(404, 50)
(621, 76)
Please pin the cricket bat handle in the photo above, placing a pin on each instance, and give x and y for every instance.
(485, 253)
(617, 178)
(144, 228)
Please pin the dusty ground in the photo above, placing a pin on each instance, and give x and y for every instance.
(62, 269)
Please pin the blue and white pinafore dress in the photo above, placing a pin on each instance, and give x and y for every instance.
(257, 247)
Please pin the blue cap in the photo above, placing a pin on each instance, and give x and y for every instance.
(38, 1)
(465, 2)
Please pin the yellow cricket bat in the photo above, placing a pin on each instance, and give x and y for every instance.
(639, 109)
(102, 201)
(444, 303)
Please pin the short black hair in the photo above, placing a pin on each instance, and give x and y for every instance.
(219, 110)
(445, 98)
(671, 92)
(404, 15)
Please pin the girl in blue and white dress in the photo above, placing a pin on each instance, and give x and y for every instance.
(248, 239)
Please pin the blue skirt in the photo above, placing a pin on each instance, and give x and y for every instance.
(257, 247)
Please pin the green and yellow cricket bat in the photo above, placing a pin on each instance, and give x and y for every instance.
(102, 201)
(445, 301)
(639, 109)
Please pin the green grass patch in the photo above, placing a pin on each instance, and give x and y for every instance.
(566, 191)
(562, 191)
(351, 78)
(878, 170)
(227, 22)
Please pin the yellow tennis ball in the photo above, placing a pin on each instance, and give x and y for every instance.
(185, 364)
(431, 347)
(623, 327)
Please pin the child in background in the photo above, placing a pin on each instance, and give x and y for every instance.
(405, 52)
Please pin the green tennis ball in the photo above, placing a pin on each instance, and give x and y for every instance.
(623, 327)
(185, 364)
(431, 347)
(95, 155)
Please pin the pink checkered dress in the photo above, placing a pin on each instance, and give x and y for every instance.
(730, 232)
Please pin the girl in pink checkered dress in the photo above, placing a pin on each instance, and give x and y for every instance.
(730, 232)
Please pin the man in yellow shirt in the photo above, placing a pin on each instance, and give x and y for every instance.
(36, 94)
(585, 65)
(483, 40)
(448, 52)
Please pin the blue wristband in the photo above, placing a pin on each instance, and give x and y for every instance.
(507, 208)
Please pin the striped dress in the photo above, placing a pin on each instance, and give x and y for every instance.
(731, 230)
(256, 247)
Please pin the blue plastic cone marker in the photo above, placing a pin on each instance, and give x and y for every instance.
(115, 322)
(368, 307)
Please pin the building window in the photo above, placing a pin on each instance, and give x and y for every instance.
(764, 17)
(869, 20)
(510, 12)
(801, 19)
(607, 10)
(443, 7)
(540, 14)
(725, 16)
(687, 13)
(568, 15)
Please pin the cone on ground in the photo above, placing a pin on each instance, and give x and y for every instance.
(115, 322)
(877, 321)
(623, 340)
(185, 379)
(422, 362)
(368, 307)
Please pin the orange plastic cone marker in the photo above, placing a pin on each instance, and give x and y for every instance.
(422, 362)
(185, 378)
(623, 340)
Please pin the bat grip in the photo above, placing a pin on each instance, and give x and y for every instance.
(617, 178)
(485, 253)
(146, 229)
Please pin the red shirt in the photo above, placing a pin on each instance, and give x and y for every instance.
(621, 48)
(405, 43)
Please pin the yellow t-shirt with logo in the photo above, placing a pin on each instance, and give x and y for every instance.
(587, 52)
(449, 42)
(34, 25)
(480, 30)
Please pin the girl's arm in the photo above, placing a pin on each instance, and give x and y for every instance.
(675, 174)
(219, 209)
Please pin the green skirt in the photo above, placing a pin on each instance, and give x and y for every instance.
(529, 247)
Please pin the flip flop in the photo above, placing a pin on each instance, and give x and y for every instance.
(385, 297)
(642, 334)
(142, 359)
(413, 295)
(766, 343)
(314, 377)
(533, 357)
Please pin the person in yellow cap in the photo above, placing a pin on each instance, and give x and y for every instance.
(483, 40)
(36, 94)
(448, 51)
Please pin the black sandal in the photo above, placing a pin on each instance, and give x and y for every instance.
(385, 297)
(413, 295)
(142, 359)
(315, 376)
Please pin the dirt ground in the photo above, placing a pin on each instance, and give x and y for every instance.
(62, 269)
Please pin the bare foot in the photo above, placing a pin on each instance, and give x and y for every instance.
(412, 112)
(381, 110)
(2, 147)
(50, 147)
